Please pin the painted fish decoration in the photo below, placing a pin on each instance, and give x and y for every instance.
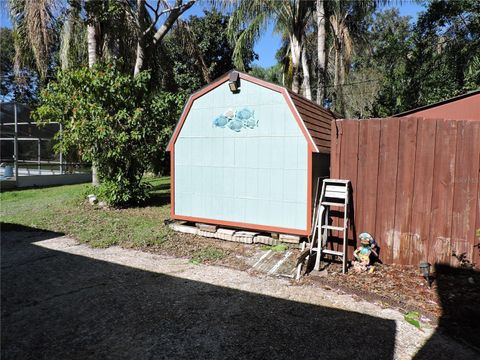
(220, 121)
(250, 123)
(236, 120)
(235, 125)
(244, 114)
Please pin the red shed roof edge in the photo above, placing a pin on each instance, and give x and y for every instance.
(443, 102)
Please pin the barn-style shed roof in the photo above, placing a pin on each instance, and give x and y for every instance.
(313, 120)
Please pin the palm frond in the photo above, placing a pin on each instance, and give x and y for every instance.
(73, 49)
(245, 26)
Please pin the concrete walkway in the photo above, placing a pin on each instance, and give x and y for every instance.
(62, 300)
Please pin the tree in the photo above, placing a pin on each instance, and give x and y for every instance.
(273, 74)
(430, 61)
(198, 51)
(106, 116)
(73, 50)
(347, 23)
(34, 23)
(165, 107)
(7, 55)
(18, 82)
(251, 17)
(148, 36)
(321, 50)
(390, 39)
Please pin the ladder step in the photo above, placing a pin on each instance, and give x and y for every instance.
(342, 189)
(332, 252)
(335, 195)
(330, 227)
(326, 251)
(328, 203)
(336, 181)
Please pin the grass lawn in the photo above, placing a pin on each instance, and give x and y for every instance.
(63, 209)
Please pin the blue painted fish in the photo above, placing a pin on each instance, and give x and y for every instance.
(250, 123)
(235, 125)
(220, 121)
(244, 114)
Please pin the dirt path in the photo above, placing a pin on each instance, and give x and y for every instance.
(62, 300)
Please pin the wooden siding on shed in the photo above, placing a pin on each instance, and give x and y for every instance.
(317, 120)
(416, 185)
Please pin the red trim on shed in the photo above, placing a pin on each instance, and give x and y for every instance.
(244, 225)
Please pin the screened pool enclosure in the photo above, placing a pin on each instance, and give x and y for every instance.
(27, 151)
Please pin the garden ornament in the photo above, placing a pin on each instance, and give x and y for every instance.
(365, 254)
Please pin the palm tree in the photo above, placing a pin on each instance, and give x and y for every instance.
(321, 50)
(34, 29)
(346, 26)
(251, 17)
(73, 49)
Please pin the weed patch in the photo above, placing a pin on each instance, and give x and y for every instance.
(208, 254)
(279, 247)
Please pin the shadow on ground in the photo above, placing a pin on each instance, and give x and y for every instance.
(61, 306)
(157, 199)
(159, 195)
(460, 302)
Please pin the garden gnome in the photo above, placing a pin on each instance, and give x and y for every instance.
(365, 254)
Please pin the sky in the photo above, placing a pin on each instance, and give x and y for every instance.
(270, 42)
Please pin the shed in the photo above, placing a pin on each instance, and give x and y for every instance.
(462, 107)
(247, 154)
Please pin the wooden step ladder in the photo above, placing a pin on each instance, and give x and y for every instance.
(335, 193)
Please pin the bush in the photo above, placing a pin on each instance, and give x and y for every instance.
(108, 117)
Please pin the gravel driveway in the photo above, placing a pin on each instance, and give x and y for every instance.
(61, 300)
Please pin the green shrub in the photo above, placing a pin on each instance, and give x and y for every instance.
(112, 121)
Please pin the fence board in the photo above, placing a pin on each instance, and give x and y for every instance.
(368, 153)
(442, 199)
(387, 184)
(349, 170)
(336, 137)
(476, 246)
(422, 190)
(402, 239)
(465, 188)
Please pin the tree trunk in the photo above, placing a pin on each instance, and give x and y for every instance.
(336, 77)
(306, 75)
(321, 51)
(92, 59)
(140, 53)
(341, 79)
(296, 52)
(140, 56)
(92, 44)
(175, 12)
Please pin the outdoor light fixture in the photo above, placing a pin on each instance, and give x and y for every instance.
(425, 269)
(234, 82)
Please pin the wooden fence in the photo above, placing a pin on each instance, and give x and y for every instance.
(416, 185)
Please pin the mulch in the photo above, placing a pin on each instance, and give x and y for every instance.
(404, 288)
